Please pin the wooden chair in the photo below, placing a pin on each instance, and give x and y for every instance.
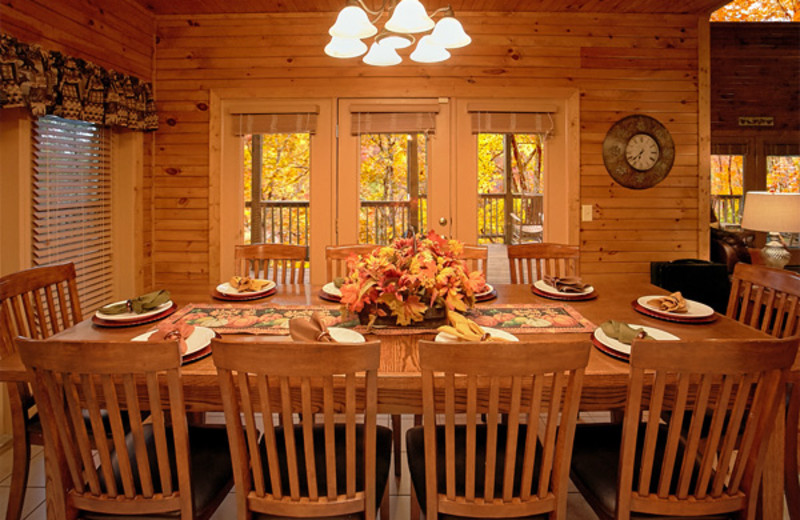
(35, 303)
(477, 258)
(529, 225)
(769, 300)
(159, 466)
(328, 465)
(531, 262)
(496, 469)
(336, 258)
(281, 263)
(716, 400)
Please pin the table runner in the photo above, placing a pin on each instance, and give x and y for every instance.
(274, 319)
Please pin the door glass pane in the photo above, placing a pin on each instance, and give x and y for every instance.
(510, 188)
(783, 176)
(393, 186)
(726, 188)
(276, 188)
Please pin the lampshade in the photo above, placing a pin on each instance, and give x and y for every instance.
(382, 55)
(394, 40)
(409, 17)
(428, 51)
(773, 212)
(450, 34)
(345, 47)
(352, 22)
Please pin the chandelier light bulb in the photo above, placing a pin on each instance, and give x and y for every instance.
(352, 22)
(345, 47)
(428, 51)
(409, 17)
(450, 34)
(382, 55)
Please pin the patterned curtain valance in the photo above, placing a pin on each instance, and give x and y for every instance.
(47, 82)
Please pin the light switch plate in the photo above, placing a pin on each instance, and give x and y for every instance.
(586, 212)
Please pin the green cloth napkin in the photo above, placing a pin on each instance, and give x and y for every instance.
(144, 303)
(622, 332)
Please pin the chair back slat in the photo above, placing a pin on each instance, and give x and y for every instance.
(531, 262)
(765, 299)
(318, 392)
(336, 258)
(508, 466)
(76, 379)
(709, 409)
(281, 263)
(476, 258)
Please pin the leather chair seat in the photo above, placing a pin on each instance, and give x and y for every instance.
(383, 450)
(211, 469)
(595, 467)
(415, 447)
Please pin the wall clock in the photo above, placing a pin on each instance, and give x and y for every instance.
(638, 152)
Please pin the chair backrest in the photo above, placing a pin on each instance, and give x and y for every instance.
(37, 303)
(282, 263)
(74, 378)
(306, 384)
(477, 258)
(716, 401)
(766, 299)
(526, 471)
(336, 258)
(532, 206)
(531, 262)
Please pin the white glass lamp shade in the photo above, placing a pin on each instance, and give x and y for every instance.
(409, 17)
(776, 212)
(352, 22)
(394, 40)
(428, 51)
(345, 47)
(450, 34)
(382, 55)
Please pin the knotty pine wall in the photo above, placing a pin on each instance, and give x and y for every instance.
(621, 64)
(115, 34)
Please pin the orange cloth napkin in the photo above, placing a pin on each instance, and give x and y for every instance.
(309, 329)
(173, 331)
(672, 303)
(566, 283)
(247, 284)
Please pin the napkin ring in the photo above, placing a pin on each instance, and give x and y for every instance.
(173, 334)
(323, 335)
(129, 305)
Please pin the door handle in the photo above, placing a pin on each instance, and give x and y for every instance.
(443, 221)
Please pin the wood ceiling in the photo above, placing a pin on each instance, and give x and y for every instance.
(196, 7)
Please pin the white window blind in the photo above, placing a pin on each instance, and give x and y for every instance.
(72, 203)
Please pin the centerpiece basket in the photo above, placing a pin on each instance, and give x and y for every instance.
(412, 282)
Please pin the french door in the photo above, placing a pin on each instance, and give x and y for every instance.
(394, 171)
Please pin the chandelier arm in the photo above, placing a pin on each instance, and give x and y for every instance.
(442, 10)
(377, 14)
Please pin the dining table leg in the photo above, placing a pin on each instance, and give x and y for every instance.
(772, 480)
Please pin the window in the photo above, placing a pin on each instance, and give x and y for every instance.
(72, 203)
(783, 168)
(727, 181)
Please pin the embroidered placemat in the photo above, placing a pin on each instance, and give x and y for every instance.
(529, 318)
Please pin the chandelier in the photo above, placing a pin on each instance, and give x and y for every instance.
(408, 17)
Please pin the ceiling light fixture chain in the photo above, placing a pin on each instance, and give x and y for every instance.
(408, 17)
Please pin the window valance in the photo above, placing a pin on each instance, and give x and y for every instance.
(48, 82)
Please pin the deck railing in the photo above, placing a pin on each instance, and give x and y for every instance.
(728, 209)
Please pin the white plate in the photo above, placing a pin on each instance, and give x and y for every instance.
(444, 337)
(330, 288)
(225, 288)
(132, 315)
(693, 309)
(487, 290)
(341, 335)
(621, 347)
(542, 286)
(200, 338)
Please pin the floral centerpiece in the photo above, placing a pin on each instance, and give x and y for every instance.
(410, 279)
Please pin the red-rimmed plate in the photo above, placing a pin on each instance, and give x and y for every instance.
(488, 293)
(330, 292)
(673, 316)
(132, 322)
(198, 344)
(540, 288)
(620, 350)
(243, 297)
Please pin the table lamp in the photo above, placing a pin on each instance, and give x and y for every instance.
(774, 213)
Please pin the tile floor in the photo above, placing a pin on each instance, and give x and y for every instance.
(400, 499)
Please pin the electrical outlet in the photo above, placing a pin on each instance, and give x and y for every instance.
(586, 212)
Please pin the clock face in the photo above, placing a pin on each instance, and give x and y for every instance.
(642, 152)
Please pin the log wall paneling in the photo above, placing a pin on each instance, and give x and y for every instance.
(622, 64)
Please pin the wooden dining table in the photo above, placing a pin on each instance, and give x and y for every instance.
(399, 378)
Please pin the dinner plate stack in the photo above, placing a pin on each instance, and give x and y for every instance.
(131, 319)
(622, 351)
(224, 291)
(545, 290)
(198, 344)
(696, 312)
